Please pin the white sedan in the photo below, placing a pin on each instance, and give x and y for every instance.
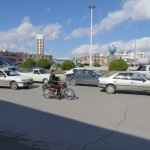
(129, 81)
(13, 80)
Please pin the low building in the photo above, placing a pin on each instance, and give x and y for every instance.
(97, 58)
(131, 56)
(17, 58)
(60, 60)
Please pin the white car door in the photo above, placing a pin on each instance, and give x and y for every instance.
(4, 80)
(37, 76)
(121, 81)
(139, 83)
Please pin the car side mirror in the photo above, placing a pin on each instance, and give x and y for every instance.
(143, 80)
(4, 75)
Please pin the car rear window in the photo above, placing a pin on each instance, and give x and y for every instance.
(123, 76)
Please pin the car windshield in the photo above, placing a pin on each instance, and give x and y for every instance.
(141, 68)
(43, 71)
(11, 73)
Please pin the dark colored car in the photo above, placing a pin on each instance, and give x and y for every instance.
(84, 77)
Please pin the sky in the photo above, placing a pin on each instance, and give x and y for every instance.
(66, 26)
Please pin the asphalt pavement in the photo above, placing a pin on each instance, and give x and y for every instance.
(95, 120)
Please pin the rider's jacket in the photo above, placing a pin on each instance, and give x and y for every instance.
(53, 79)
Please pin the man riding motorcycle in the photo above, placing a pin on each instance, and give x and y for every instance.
(54, 82)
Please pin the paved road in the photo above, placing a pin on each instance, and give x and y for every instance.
(94, 121)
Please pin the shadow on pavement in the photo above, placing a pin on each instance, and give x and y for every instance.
(24, 128)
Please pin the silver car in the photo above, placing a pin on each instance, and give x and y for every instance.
(129, 81)
(14, 80)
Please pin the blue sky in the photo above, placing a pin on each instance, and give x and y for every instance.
(65, 25)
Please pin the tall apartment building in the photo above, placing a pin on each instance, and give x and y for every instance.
(39, 44)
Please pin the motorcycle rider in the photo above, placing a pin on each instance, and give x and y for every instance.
(54, 82)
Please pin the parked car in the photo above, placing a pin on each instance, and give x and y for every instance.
(84, 76)
(14, 68)
(72, 71)
(13, 80)
(144, 69)
(127, 80)
(38, 75)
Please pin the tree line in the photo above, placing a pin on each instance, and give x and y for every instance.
(114, 65)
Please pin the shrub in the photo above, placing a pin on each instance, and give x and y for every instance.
(118, 65)
(43, 63)
(29, 63)
(96, 65)
(67, 65)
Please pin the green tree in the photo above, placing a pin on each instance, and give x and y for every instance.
(118, 65)
(43, 63)
(67, 65)
(29, 63)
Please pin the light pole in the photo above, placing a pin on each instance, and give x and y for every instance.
(92, 6)
(135, 46)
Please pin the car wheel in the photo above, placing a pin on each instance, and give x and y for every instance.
(73, 82)
(110, 89)
(14, 85)
(45, 81)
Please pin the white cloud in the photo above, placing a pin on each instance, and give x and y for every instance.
(51, 32)
(77, 33)
(69, 21)
(26, 19)
(25, 34)
(137, 9)
(142, 44)
(131, 10)
(84, 50)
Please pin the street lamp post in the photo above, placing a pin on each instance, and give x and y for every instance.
(135, 46)
(92, 6)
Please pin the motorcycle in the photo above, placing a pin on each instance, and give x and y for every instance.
(51, 92)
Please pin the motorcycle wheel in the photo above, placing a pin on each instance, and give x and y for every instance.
(69, 94)
(47, 94)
